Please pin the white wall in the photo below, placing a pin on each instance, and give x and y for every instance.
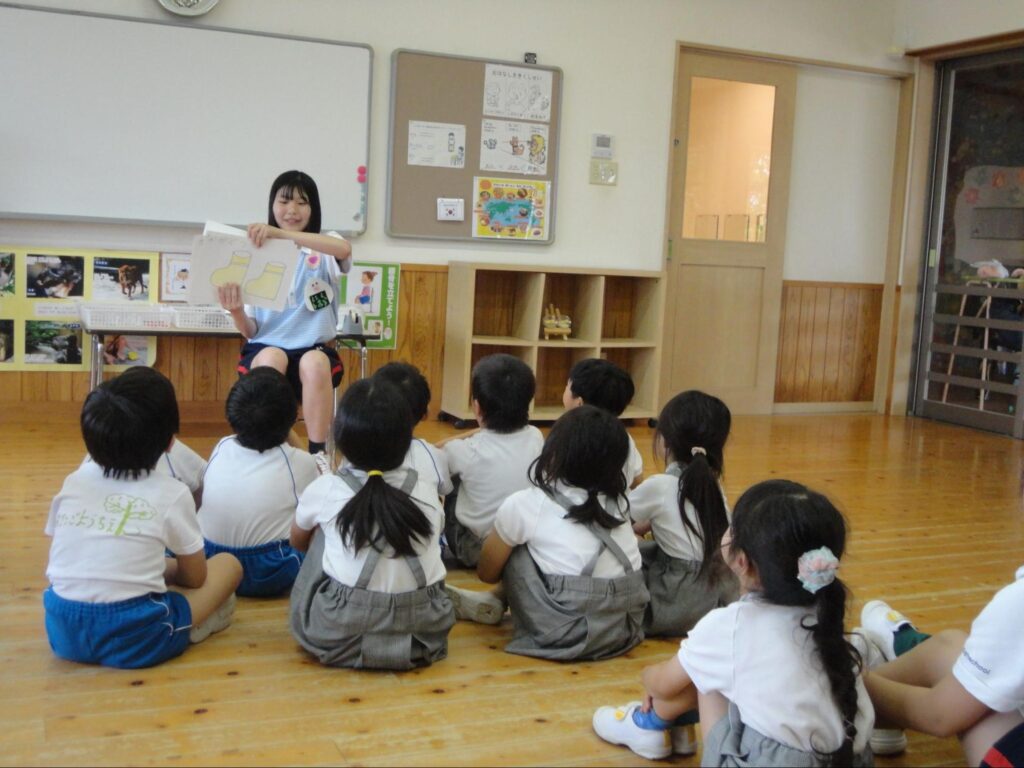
(925, 23)
(618, 60)
(844, 137)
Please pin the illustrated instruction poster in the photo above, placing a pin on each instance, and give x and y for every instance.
(371, 289)
(517, 92)
(265, 274)
(510, 208)
(512, 147)
(440, 145)
(40, 292)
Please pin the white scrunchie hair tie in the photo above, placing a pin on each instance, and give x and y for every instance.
(697, 449)
(816, 568)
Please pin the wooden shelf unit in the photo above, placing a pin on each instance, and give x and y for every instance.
(495, 308)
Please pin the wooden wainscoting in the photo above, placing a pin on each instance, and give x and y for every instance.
(828, 342)
(203, 369)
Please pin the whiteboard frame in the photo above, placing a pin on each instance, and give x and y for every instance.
(6, 214)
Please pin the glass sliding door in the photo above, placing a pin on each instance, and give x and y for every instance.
(969, 350)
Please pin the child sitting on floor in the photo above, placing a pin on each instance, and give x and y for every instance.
(114, 599)
(370, 593)
(426, 459)
(253, 484)
(774, 677)
(685, 511)
(595, 381)
(564, 550)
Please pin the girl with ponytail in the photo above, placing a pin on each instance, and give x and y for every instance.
(569, 562)
(684, 509)
(772, 674)
(371, 589)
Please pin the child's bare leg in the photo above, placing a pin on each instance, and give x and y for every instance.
(979, 738)
(223, 575)
(272, 357)
(317, 394)
(926, 664)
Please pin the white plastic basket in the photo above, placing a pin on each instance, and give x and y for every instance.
(125, 316)
(201, 318)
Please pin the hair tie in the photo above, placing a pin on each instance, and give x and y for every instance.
(375, 473)
(697, 449)
(816, 568)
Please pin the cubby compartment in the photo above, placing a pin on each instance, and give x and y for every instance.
(640, 363)
(579, 297)
(552, 371)
(631, 309)
(506, 305)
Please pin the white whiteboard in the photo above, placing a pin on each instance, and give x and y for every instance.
(111, 118)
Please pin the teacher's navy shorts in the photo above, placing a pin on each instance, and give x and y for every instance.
(268, 569)
(140, 632)
(251, 349)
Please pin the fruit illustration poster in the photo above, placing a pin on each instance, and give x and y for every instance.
(515, 209)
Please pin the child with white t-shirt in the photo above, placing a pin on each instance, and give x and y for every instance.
(600, 382)
(772, 674)
(253, 483)
(492, 463)
(428, 460)
(370, 593)
(179, 461)
(950, 683)
(564, 550)
(114, 599)
(684, 510)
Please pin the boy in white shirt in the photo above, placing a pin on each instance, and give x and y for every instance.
(599, 382)
(428, 460)
(114, 599)
(253, 483)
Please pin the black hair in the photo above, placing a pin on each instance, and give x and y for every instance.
(695, 420)
(774, 523)
(503, 385)
(602, 383)
(303, 184)
(373, 430)
(586, 448)
(129, 421)
(414, 386)
(261, 408)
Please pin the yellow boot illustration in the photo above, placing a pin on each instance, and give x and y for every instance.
(268, 284)
(234, 272)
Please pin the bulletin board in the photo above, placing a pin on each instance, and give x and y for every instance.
(479, 131)
(123, 119)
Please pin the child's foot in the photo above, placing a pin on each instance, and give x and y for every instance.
(684, 739)
(323, 464)
(215, 622)
(617, 726)
(483, 607)
(888, 741)
(880, 622)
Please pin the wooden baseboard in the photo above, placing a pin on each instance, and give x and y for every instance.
(866, 406)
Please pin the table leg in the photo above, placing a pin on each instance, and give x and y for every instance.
(96, 364)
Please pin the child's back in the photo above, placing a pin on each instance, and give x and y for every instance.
(253, 483)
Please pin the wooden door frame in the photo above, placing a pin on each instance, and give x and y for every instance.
(894, 353)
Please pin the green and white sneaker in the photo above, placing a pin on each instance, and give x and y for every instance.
(880, 623)
(615, 725)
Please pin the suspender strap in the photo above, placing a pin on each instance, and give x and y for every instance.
(602, 534)
(373, 556)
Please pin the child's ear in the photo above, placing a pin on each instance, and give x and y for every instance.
(478, 414)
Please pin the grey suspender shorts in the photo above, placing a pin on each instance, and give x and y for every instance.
(679, 595)
(356, 627)
(566, 618)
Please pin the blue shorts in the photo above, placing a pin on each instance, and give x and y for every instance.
(129, 634)
(268, 570)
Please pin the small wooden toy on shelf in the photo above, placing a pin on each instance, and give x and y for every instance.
(555, 323)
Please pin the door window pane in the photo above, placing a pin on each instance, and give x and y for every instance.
(728, 159)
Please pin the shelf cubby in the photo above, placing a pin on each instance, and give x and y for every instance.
(552, 371)
(579, 297)
(631, 309)
(507, 304)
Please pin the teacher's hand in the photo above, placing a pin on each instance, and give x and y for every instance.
(230, 296)
(260, 233)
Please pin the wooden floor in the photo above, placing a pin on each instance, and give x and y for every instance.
(936, 522)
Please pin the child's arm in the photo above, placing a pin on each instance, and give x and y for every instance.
(459, 436)
(340, 249)
(943, 710)
(191, 570)
(299, 537)
(493, 556)
(230, 298)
